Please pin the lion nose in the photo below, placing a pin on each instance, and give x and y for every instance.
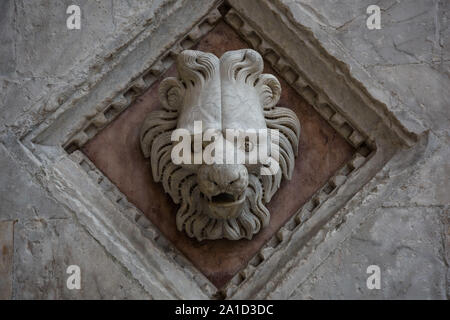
(223, 181)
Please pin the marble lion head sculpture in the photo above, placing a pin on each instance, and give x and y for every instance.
(219, 196)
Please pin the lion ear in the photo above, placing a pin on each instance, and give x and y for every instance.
(171, 93)
(270, 90)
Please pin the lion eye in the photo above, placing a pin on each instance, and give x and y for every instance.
(205, 144)
(248, 146)
(195, 148)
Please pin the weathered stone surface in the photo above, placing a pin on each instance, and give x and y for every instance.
(411, 32)
(44, 58)
(405, 242)
(6, 259)
(413, 35)
(21, 197)
(46, 241)
(428, 184)
(408, 59)
(421, 89)
(44, 249)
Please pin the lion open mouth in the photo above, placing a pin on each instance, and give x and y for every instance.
(225, 199)
(225, 205)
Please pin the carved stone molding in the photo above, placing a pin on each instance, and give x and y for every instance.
(305, 239)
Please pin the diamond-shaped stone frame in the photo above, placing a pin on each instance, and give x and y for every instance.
(131, 238)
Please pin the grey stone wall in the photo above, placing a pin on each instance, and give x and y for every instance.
(407, 235)
(40, 58)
